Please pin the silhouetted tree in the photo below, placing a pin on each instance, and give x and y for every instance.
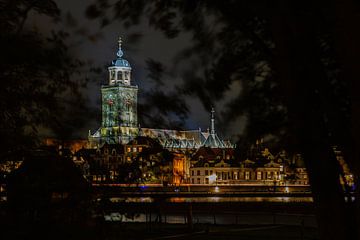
(40, 87)
(46, 191)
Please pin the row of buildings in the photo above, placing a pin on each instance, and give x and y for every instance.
(145, 160)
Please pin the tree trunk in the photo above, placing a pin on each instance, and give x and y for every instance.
(299, 73)
(347, 38)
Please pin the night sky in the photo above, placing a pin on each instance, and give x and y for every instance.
(97, 47)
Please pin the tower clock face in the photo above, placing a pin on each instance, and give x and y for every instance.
(110, 100)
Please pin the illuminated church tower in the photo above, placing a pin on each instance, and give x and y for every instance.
(119, 97)
(118, 104)
(119, 122)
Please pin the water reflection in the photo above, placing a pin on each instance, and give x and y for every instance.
(132, 199)
(239, 199)
(211, 199)
(219, 218)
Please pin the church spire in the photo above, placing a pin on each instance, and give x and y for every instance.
(212, 131)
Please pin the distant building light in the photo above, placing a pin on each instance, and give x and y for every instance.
(212, 178)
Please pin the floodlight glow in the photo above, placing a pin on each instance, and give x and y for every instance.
(212, 178)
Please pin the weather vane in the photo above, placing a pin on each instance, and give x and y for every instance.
(120, 52)
(120, 41)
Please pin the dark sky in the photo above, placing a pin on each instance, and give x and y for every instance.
(98, 47)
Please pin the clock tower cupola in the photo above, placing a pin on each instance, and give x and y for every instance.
(120, 69)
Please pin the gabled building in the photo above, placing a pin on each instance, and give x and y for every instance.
(106, 162)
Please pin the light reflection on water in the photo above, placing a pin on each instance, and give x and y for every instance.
(212, 199)
(218, 218)
(131, 199)
(239, 199)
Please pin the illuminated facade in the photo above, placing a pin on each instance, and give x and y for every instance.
(219, 166)
(119, 116)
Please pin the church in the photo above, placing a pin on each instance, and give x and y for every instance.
(119, 123)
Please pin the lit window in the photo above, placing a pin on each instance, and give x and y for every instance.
(129, 149)
(140, 149)
(134, 149)
(128, 159)
(258, 176)
(247, 175)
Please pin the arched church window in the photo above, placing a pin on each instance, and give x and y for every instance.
(112, 75)
(126, 77)
(119, 75)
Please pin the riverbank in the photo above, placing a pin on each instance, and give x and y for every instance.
(209, 232)
(137, 231)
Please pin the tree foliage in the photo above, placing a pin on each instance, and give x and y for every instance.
(38, 76)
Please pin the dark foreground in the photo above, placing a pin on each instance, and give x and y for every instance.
(201, 231)
(130, 231)
(176, 220)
